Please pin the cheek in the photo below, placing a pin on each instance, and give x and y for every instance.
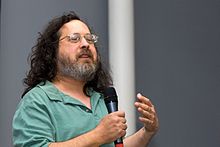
(94, 52)
(68, 52)
(71, 51)
(68, 47)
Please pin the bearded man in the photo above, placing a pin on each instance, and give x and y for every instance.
(63, 105)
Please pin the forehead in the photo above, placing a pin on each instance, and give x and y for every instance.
(74, 26)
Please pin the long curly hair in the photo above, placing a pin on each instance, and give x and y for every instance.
(43, 58)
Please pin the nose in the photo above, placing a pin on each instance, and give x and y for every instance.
(84, 43)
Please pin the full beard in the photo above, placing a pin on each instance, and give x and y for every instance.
(82, 71)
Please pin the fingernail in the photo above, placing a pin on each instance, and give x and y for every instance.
(139, 95)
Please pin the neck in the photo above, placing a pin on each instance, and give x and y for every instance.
(69, 85)
(73, 88)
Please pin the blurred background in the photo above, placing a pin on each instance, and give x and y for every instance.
(177, 61)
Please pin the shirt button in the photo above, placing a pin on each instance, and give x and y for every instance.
(87, 110)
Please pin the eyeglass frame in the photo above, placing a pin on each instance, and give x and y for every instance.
(94, 36)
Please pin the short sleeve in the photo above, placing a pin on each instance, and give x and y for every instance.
(32, 126)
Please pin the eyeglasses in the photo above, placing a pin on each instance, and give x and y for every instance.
(76, 37)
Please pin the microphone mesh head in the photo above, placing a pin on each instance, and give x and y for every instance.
(110, 94)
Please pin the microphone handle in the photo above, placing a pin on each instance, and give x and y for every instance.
(119, 145)
(112, 107)
(119, 142)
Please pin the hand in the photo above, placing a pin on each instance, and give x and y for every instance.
(148, 114)
(112, 127)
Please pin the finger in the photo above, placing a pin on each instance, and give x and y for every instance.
(147, 114)
(145, 107)
(119, 113)
(122, 120)
(149, 124)
(121, 129)
(146, 121)
(123, 133)
(117, 119)
(124, 126)
(144, 99)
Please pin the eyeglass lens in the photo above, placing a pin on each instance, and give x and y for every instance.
(76, 37)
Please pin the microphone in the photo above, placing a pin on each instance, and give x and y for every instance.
(111, 102)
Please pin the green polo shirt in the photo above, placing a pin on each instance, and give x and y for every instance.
(47, 115)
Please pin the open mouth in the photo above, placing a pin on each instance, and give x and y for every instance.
(84, 56)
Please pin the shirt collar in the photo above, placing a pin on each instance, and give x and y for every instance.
(56, 95)
(52, 92)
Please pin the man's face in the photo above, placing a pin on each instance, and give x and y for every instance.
(76, 59)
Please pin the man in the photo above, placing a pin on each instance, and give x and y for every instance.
(62, 105)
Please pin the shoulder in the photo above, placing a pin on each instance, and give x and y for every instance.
(36, 94)
(42, 93)
(34, 103)
(36, 97)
